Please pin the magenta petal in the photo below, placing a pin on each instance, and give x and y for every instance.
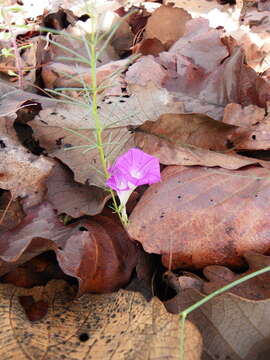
(132, 169)
(118, 181)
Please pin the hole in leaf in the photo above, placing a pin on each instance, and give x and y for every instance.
(82, 228)
(2, 144)
(83, 337)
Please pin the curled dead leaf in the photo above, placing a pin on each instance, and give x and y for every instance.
(97, 252)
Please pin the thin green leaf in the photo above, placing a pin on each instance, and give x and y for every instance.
(78, 59)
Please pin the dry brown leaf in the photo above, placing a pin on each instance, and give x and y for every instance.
(166, 24)
(189, 139)
(232, 327)
(198, 216)
(203, 84)
(59, 75)
(253, 289)
(119, 326)
(72, 198)
(149, 47)
(146, 69)
(193, 129)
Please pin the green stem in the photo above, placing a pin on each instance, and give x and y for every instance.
(96, 117)
(195, 306)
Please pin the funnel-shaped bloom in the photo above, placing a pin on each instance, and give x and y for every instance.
(130, 170)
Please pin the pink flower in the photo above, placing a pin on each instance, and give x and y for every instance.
(130, 170)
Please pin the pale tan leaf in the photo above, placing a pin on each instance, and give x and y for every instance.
(232, 327)
(117, 326)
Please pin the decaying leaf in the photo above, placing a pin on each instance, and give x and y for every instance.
(121, 325)
(193, 129)
(198, 216)
(232, 327)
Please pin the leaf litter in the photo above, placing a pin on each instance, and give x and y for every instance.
(197, 99)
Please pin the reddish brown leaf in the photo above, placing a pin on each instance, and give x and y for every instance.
(192, 129)
(149, 47)
(34, 310)
(100, 255)
(197, 216)
(37, 271)
(97, 252)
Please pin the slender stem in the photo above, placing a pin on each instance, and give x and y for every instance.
(95, 114)
(182, 335)
(195, 306)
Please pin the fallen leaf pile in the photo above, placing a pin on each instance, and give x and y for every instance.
(186, 81)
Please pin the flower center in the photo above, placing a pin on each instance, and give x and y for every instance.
(136, 174)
